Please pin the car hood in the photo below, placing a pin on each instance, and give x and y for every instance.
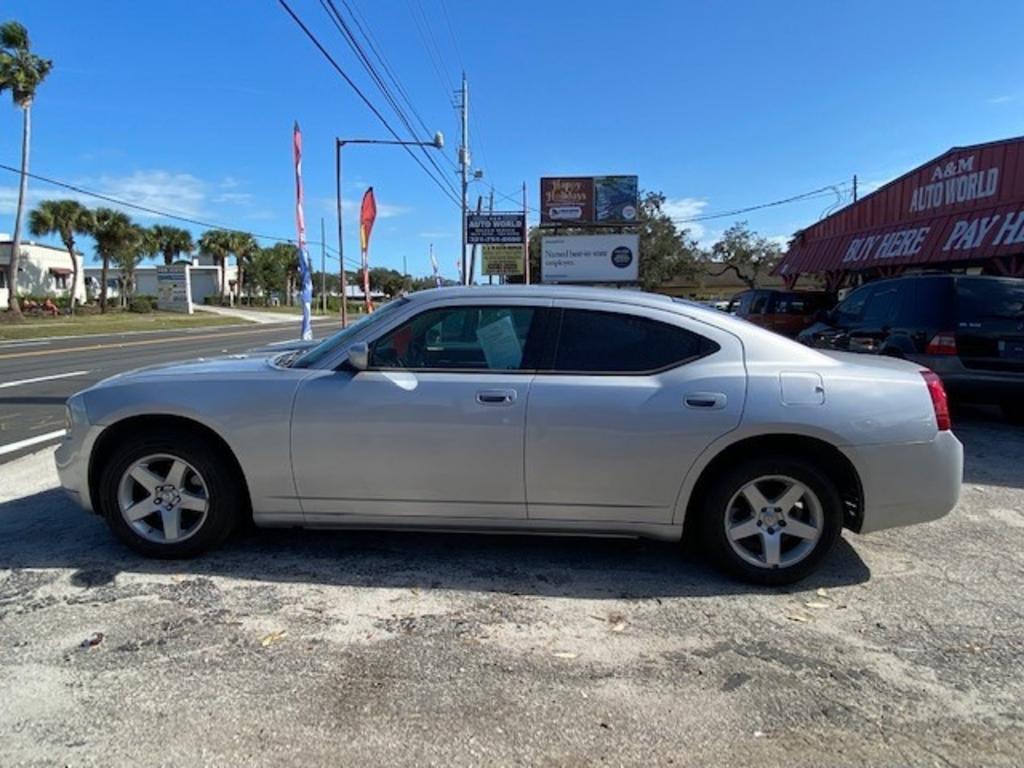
(200, 367)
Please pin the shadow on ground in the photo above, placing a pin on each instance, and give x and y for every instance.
(45, 530)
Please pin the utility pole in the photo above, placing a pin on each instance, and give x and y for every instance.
(472, 248)
(490, 209)
(855, 187)
(323, 265)
(464, 161)
(526, 240)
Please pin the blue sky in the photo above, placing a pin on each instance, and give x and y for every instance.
(188, 105)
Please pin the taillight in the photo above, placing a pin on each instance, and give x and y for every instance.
(940, 402)
(943, 343)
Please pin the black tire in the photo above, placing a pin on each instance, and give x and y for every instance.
(715, 508)
(223, 487)
(1014, 412)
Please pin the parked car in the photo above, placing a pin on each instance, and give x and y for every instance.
(969, 329)
(785, 312)
(527, 409)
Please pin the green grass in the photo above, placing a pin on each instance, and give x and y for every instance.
(112, 322)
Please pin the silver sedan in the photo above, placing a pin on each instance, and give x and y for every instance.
(525, 409)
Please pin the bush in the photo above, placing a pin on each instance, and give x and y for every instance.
(141, 305)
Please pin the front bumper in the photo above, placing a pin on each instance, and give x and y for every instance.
(72, 459)
(909, 483)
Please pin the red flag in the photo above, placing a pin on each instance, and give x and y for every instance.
(367, 215)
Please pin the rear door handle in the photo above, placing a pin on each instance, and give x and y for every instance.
(706, 400)
(496, 396)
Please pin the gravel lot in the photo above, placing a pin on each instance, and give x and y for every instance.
(318, 648)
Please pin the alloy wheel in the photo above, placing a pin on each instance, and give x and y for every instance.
(774, 522)
(163, 498)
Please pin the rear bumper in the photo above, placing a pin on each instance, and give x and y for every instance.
(909, 483)
(973, 384)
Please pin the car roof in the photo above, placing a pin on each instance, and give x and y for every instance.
(584, 293)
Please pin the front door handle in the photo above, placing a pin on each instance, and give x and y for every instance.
(496, 396)
(706, 400)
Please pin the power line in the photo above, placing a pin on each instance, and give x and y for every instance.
(156, 211)
(349, 36)
(813, 194)
(364, 98)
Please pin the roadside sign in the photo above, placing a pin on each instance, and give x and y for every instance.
(502, 260)
(174, 288)
(495, 228)
(590, 259)
(582, 200)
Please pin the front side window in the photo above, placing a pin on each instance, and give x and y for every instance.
(609, 342)
(489, 338)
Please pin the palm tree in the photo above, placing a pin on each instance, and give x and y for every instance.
(244, 246)
(21, 71)
(171, 242)
(217, 244)
(66, 218)
(112, 231)
(137, 244)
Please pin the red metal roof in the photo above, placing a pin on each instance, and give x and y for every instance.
(966, 205)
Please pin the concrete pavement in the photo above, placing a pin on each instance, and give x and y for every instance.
(37, 376)
(353, 648)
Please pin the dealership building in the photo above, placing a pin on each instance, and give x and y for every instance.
(960, 212)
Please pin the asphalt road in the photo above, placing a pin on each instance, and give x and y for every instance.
(37, 376)
(328, 648)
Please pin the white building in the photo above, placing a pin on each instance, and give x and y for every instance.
(205, 280)
(45, 270)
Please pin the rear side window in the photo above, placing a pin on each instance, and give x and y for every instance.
(931, 307)
(608, 342)
(979, 299)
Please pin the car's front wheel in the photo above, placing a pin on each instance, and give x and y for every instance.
(170, 496)
(771, 521)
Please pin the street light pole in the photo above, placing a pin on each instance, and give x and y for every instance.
(436, 143)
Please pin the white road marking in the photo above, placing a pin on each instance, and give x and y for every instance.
(23, 344)
(12, 447)
(7, 384)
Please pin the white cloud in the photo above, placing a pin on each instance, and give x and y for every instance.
(179, 193)
(1004, 99)
(687, 208)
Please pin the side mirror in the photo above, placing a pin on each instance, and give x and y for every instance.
(359, 356)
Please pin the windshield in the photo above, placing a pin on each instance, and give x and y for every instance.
(342, 337)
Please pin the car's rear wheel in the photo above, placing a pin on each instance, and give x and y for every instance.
(771, 521)
(169, 497)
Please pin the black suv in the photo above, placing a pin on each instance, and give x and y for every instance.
(968, 329)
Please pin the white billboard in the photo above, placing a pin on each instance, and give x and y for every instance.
(590, 259)
(174, 288)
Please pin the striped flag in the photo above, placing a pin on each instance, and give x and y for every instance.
(367, 215)
(305, 268)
